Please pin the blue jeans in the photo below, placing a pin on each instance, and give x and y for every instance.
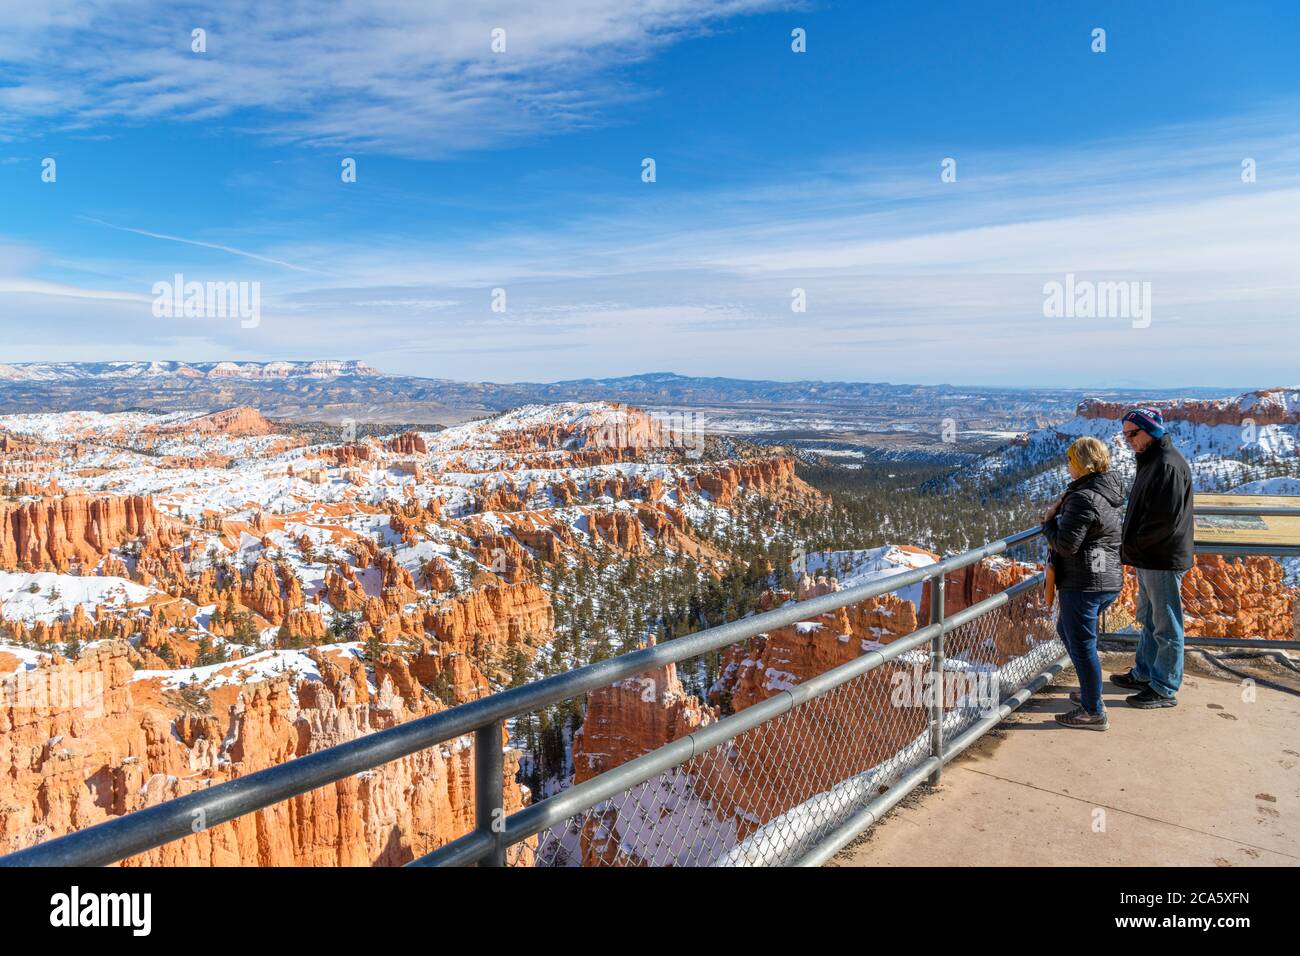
(1076, 626)
(1159, 659)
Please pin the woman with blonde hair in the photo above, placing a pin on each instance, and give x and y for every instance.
(1083, 531)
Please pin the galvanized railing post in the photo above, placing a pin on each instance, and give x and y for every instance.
(489, 790)
(936, 676)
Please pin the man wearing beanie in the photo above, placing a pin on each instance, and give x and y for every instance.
(1156, 540)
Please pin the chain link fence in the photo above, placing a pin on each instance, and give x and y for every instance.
(770, 794)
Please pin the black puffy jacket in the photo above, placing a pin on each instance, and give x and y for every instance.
(1084, 535)
(1159, 523)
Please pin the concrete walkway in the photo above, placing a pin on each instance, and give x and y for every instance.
(1213, 781)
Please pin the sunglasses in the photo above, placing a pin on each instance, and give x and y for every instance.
(1128, 435)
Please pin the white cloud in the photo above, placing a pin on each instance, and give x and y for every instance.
(39, 287)
(411, 78)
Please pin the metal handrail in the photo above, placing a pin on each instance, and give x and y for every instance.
(1244, 550)
(155, 826)
(476, 846)
(1259, 510)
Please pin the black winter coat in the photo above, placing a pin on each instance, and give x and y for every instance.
(1084, 535)
(1159, 523)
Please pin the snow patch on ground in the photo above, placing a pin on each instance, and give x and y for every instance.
(56, 595)
(263, 665)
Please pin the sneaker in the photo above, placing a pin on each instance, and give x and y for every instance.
(1083, 720)
(1127, 679)
(1148, 699)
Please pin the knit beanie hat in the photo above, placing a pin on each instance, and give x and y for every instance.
(1148, 419)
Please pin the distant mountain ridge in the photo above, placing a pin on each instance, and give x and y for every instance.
(79, 371)
(672, 388)
(331, 390)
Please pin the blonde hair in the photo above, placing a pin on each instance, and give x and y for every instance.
(1088, 454)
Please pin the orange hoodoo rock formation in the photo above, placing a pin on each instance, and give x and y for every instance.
(768, 476)
(438, 575)
(1230, 597)
(633, 717)
(343, 588)
(76, 749)
(58, 532)
(25, 487)
(271, 591)
(502, 615)
(348, 455)
(622, 529)
(11, 444)
(407, 443)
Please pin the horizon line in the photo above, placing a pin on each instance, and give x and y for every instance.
(1239, 389)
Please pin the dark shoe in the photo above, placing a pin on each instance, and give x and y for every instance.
(1150, 700)
(1127, 679)
(1083, 720)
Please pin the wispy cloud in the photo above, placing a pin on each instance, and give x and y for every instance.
(208, 245)
(410, 78)
(39, 287)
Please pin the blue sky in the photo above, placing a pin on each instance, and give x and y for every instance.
(522, 171)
